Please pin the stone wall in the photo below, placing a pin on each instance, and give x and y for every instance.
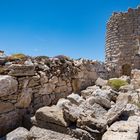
(123, 42)
(39, 82)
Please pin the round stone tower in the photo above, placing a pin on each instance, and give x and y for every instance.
(123, 42)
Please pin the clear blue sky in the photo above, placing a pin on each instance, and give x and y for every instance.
(51, 27)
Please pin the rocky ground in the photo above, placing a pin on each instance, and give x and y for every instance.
(100, 112)
(63, 99)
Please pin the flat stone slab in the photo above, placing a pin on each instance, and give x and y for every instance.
(122, 130)
(21, 70)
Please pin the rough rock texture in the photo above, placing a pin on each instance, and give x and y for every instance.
(123, 42)
(32, 83)
(51, 115)
(123, 130)
(45, 134)
(8, 85)
(18, 134)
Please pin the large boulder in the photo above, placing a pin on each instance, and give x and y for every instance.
(45, 134)
(52, 115)
(8, 85)
(122, 130)
(18, 134)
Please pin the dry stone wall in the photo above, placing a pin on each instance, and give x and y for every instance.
(123, 42)
(29, 85)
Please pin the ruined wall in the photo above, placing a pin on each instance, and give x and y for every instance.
(39, 82)
(123, 42)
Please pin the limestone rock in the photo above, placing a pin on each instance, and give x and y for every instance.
(75, 99)
(61, 103)
(8, 85)
(114, 113)
(101, 82)
(51, 114)
(88, 91)
(122, 130)
(92, 124)
(99, 100)
(45, 134)
(72, 112)
(21, 70)
(18, 134)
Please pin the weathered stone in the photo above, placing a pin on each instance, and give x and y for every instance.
(6, 107)
(18, 134)
(88, 91)
(122, 130)
(47, 89)
(43, 77)
(21, 70)
(99, 100)
(8, 85)
(91, 124)
(61, 103)
(25, 98)
(101, 82)
(9, 121)
(72, 112)
(51, 115)
(45, 134)
(75, 99)
(114, 113)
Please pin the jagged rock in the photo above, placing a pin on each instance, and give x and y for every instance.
(88, 91)
(18, 134)
(21, 70)
(6, 107)
(114, 113)
(51, 114)
(122, 130)
(103, 93)
(61, 103)
(45, 134)
(101, 82)
(99, 100)
(8, 85)
(130, 110)
(75, 99)
(72, 112)
(92, 124)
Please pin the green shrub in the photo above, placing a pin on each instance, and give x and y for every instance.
(117, 83)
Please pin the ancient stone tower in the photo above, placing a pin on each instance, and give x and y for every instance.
(123, 42)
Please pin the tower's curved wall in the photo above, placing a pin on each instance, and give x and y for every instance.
(123, 41)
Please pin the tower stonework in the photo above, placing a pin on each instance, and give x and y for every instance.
(123, 42)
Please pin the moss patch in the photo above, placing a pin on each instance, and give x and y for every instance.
(117, 83)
